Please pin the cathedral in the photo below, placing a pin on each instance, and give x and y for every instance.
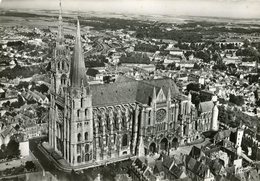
(95, 123)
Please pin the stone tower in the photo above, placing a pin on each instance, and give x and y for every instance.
(240, 132)
(79, 112)
(214, 121)
(61, 64)
(60, 70)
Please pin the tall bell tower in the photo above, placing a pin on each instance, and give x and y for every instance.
(61, 61)
(79, 108)
(60, 71)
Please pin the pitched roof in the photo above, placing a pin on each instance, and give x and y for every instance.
(113, 94)
(196, 167)
(131, 91)
(92, 72)
(195, 152)
(206, 106)
(8, 131)
(253, 175)
(176, 171)
(158, 167)
(167, 161)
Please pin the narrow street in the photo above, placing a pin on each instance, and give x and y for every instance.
(47, 165)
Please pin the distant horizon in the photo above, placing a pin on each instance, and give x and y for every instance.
(55, 11)
(233, 9)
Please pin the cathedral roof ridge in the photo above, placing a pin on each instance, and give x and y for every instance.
(131, 91)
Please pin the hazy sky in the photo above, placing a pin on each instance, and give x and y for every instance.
(221, 8)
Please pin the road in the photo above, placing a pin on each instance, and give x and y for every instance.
(47, 165)
(108, 171)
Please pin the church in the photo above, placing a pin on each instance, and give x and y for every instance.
(97, 123)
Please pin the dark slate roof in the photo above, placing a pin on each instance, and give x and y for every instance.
(196, 167)
(165, 84)
(141, 165)
(92, 72)
(149, 176)
(131, 91)
(114, 94)
(253, 175)
(195, 152)
(158, 167)
(215, 167)
(206, 106)
(176, 171)
(167, 161)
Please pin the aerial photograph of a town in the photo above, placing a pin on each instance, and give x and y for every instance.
(129, 90)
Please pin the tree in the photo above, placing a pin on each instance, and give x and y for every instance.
(42, 88)
(3, 151)
(238, 100)
(217, 58)
(221, 67)
(22, 84)
(171, 66)
(7, 104)
(204, 55)
(30, 166)
(159, 66)
(13, 148)
(196, 66)
(246, 43)
(194, 87)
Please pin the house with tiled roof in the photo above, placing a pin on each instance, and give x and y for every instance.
(140, 171)
(35, 96)
(197, 170)
(168, 168)
(6, 133)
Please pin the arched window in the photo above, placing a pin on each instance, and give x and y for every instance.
(99, 127)
(106, 140)
(63, 79)
(86, 157)
(149, 118)
(124, 121)
(86, 112)
(81, 102)
(86, 135)
(114, 138)
(171, 125)
(79, 159)
(78, 112)
(86, 148)
(78, 148)
(79, 137)
(124, 140)
(62, 65)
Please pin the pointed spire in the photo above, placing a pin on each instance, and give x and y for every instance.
(78, 69)
(60, 28)
(189, 97)
(154, 94)
(169, 97)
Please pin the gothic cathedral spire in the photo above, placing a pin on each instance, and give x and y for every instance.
(78, 69)
(60, 28)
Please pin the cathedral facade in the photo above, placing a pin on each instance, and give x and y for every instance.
(95, 123)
